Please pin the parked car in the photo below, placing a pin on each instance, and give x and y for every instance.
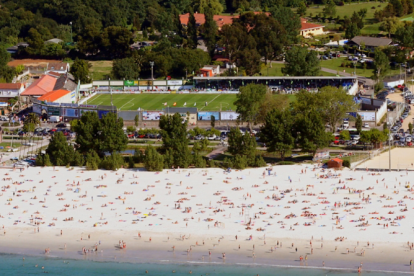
(63, 125)
(366, 125)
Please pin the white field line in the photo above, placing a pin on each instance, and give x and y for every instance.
(211, 101)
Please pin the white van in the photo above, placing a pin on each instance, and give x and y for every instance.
(54, 119)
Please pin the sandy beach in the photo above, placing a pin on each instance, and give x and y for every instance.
(337, 218)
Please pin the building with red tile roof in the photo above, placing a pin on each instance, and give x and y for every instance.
(57, 96)
(40, 87)
(221, 20)
(309, 28)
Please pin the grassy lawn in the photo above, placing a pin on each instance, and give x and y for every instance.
(6, 146)
(100, 68)
(335, 64)
(348, 9)
(156, 101)
(276, 71)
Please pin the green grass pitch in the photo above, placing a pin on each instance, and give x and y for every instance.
(156, 101)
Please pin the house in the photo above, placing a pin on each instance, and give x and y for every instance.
(10, 90)
(335, 163)
(308, 29)
(58, 67)
(226, 62)
(370, 42)
(57, 96)
(221, 20)
(205, 72)
(214, 68)
(15, 48)
(40, 87)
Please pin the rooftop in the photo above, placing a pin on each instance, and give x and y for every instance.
(41, 86)
(371, 41)
(54, 95)
(307, 26)
(14, 86)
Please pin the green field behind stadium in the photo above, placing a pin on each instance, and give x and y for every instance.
(216, 102)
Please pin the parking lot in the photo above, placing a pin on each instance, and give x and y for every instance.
(397, 97)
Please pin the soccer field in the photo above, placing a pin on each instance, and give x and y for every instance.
(157, 101)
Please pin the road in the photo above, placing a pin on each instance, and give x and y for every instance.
(23, 150)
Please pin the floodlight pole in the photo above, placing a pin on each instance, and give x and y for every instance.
(152, 74)
(71, 35)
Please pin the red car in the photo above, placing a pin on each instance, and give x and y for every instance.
(141, 136)
(131, 135)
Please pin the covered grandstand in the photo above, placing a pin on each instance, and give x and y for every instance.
(287, 85)
(283, 85)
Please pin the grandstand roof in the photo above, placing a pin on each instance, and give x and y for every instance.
(276, 78)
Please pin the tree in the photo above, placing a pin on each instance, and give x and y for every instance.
(175, 141)
(352, 31)
(301, 62)
(344, 135)
(358, 124)
(311, 129)
(87, 133)
(270, 102)
(201, 5)
(210, 31)
(277, 132)
(249, 101)
(390, 25)
(332, 103)
(125, 68)
(31, 121)
(35, 41)
(242, 147)
(59, 150)
(153, 161)
(330, 9)
(301, 10)
(111, 135)
(381, 64)
(136, 120)
(213, 121)
(90, 40)
(116, 41)
(4, 57)
(80, 70)
(192, 31)
(289, 20)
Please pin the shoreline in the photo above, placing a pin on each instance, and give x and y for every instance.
(159, 251)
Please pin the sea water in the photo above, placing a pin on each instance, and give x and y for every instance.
(11, 264)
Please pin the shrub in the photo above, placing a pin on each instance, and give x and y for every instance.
(91, 166)
(77, 160)
(227, 163)
(286, 163)
(131, 163)
(240, 162)
(259, 161)
(346, 163)
(199, 161)
(46, 160)
(92, 160)
(153, 161)
(212, 163)
(138, 156)
(112, 162)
